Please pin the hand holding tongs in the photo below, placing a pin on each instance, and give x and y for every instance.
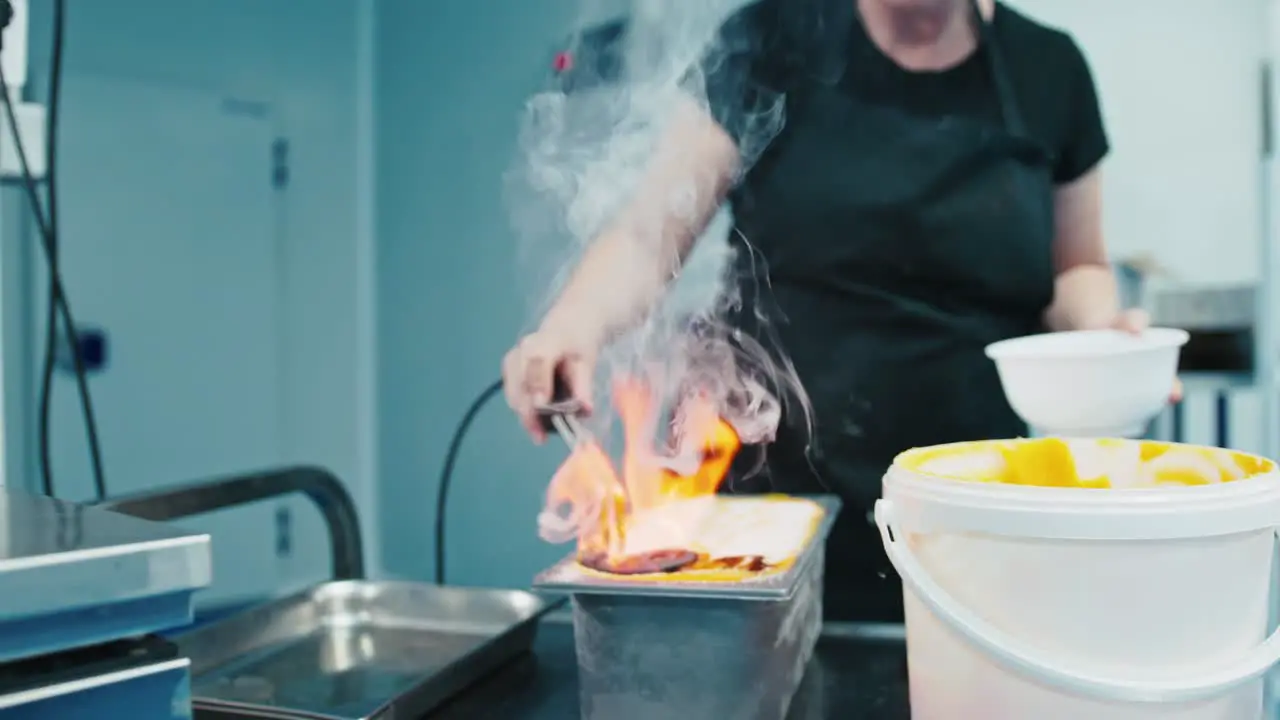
(560, 416)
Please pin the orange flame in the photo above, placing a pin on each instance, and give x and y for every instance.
(587, 494)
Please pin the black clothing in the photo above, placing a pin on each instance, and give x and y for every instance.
(770, 41)
(899, 223)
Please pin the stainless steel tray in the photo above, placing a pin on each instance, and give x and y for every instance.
(357, 650)
(567, 576)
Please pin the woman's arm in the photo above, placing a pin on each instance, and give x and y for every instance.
(627, 269)
(1086, 296)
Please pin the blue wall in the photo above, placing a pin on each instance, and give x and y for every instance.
(452, 77)
(299, 58)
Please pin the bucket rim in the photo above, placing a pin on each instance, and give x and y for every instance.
(929, 503)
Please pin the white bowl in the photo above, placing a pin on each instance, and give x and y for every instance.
(1093, 383)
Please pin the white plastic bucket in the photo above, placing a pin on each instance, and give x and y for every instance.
(1043, 603)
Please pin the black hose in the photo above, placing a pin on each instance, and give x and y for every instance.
(51, 194)
(446, 473)
(48, 243)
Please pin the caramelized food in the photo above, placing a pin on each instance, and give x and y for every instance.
(657, 515)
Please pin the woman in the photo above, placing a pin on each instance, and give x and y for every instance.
(938, 192)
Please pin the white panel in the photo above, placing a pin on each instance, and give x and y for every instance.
(31, 128)
(1180, 89)
(13, 58)
(169, 246)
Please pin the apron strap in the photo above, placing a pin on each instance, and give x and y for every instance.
(999, 71)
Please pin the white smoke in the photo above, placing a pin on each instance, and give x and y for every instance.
(582, 152)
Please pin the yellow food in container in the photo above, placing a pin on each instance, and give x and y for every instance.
(1084, 463)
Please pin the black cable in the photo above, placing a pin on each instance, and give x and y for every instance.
(57, 290)
(51, 194)
(446, 473)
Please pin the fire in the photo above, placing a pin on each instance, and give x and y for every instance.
(620, 513)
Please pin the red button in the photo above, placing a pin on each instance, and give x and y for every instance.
(563, 62)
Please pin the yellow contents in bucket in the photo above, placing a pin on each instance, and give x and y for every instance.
(1084, 463)
(1045, 463)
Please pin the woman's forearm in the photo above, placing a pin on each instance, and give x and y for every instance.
(1085, 297)
(619, 278)
(628, 268)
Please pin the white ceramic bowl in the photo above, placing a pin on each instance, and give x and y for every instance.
(1094, 383)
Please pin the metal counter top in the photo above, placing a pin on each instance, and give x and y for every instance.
(858, 673)
(72, 576)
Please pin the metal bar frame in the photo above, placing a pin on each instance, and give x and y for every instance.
(319, 485)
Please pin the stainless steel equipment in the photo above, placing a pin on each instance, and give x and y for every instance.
(73, 576)
(350, 649)
(354, 650)
(1222, 322)
(694, 650)
(80, 590)
(1207, 309)
(132, 678)
(1225, 355)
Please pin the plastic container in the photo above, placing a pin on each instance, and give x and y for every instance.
(1066, 603)
(1095, 383)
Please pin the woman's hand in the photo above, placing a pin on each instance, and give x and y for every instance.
(1136, 320)
(530, 371)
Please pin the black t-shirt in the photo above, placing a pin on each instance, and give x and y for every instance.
(1050, 79)
(765, 46)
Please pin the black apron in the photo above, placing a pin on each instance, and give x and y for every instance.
(881, 252)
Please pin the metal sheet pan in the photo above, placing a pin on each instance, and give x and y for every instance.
(357, 650)
(567, 575)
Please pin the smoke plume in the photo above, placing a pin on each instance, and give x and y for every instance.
(585, 143)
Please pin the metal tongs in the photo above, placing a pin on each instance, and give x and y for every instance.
(560, 416)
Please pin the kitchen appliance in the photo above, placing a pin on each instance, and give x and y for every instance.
(82, 591)
(357, 650)
(650, 648)
(344, 649)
